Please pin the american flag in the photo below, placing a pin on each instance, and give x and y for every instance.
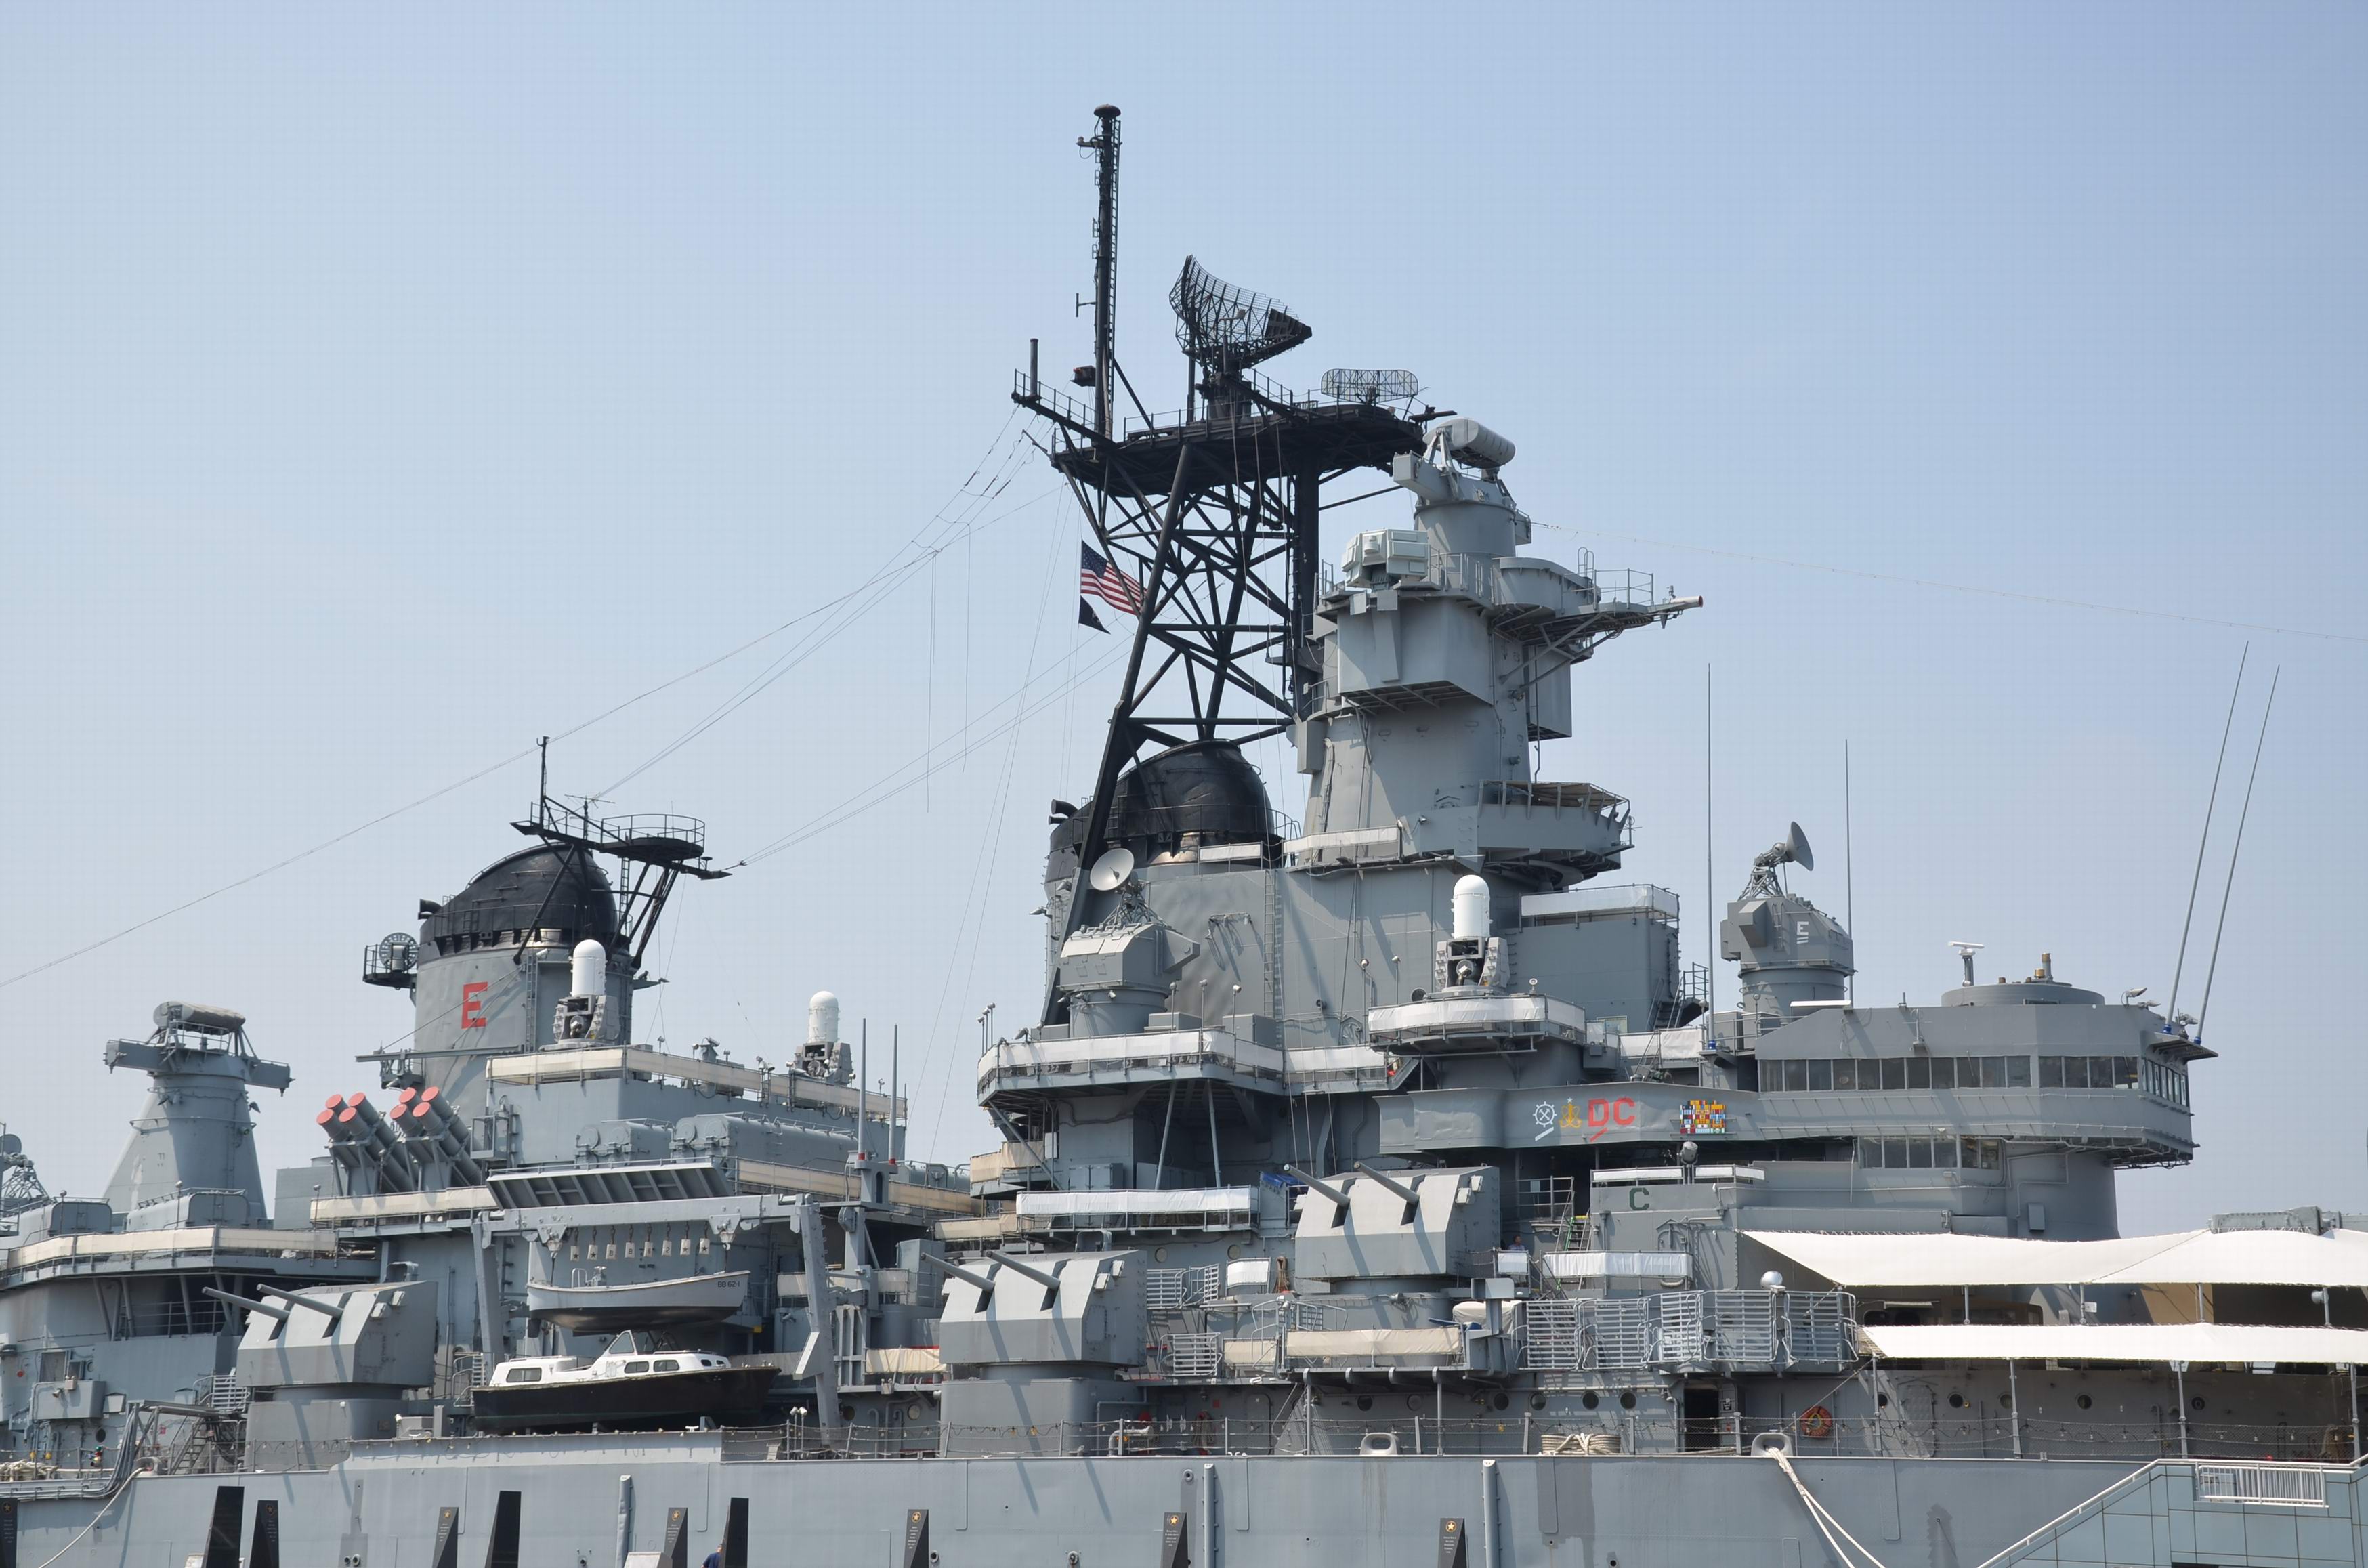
(1107, 583)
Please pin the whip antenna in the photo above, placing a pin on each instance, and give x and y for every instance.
(2170, 1013)
(2213, 968)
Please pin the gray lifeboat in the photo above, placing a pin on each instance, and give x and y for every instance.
(596, 1306)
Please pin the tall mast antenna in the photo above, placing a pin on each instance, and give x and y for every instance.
(1104, 145)
(2170, 1012)
(2204, 1010)
(1850, 875)
(1710, 874)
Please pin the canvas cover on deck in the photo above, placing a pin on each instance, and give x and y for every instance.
(1945, 1259)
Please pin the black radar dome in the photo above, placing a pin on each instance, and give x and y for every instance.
(1204, 793)
(563, 893)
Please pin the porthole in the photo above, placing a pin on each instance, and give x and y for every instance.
(2006, 1401)
(1158, 1254)
(1590, 1400)
(2084, 1401)
(1235, 1250)
(1364, 1401)
(1415, 1401)
(2195, 1403)
(1956, 1401)
(1503, 1402)
(1628, 1399)
(1538, 1401)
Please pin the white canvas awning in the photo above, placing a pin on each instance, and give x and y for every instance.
(2195, 1342)
(1946, 1260)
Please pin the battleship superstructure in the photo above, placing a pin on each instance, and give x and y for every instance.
(1380, 1187)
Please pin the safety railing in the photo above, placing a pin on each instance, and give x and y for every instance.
(1417, 1431)
(1266, 395)
(1592, 799)
(1677, 1329)
(2290, 1485)
(223, 1394)
(1173, 1290)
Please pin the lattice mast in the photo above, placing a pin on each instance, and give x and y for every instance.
(1212, 511)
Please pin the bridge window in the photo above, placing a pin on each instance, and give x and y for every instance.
(2088, 1072)
(1858, 1074)
(1928, 1153)
(524, 1375)
(2163, 1081)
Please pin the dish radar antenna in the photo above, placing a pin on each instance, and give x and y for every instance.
(1791, 849)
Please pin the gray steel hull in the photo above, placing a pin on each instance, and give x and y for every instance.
(590, 1499)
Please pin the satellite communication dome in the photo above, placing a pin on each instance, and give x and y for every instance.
(1470, 908)
(822, 1019)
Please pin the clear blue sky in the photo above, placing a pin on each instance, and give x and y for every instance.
(381, 389)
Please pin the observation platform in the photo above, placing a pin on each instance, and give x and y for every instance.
(1052, 1063)
(1283, 435)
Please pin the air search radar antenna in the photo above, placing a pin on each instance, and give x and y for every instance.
(1225, 329)
(1112, 870)
(1965, 951)
(1370, 386)
(1791, 849)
